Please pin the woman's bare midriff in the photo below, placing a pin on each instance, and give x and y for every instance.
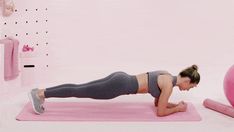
(143, 83)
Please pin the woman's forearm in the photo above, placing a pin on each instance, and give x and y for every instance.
(168, 111)
(171, 105)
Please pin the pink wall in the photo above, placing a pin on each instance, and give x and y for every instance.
(90, 32)
(94, 38)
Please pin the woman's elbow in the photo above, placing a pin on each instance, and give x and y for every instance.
(160, 113)
(156, 104)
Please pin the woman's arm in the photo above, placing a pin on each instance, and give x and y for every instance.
(169, 105)
(166, 90)
(163, 102)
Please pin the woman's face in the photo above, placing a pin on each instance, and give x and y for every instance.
(186, 85)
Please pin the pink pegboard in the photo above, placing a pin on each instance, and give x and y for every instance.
(29, 24)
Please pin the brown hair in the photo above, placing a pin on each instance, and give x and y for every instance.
(192, 73)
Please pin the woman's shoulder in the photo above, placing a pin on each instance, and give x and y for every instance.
(165, 80)
(163, 72)
(165, 77)
(159, 72)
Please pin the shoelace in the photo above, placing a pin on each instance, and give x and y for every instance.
(42, 107)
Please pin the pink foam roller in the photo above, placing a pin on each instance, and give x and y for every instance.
(224, 109)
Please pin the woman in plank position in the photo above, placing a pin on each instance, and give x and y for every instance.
(158, 83)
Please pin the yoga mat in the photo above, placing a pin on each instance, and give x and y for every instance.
(104, 111)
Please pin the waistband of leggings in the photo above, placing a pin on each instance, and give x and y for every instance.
(134, 84)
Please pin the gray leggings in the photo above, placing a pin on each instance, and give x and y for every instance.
(116, 84)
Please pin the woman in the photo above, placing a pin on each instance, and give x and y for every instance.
(158, 83)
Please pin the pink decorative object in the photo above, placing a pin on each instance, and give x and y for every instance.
(224, 109)
(104, 111)
(228, 85)
(26, 48)
(11, 70)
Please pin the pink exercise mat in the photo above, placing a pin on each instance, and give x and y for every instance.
(103, 111)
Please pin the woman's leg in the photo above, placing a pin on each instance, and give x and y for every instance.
(86, 90)
(37, 96)
(118, 83)
(63, 86)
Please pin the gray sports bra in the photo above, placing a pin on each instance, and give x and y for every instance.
(154, 89)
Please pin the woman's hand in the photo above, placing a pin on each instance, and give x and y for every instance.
(182, 106)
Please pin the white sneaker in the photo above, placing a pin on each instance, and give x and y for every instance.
(37, 103)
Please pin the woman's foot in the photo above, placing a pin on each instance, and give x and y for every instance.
(37, 101)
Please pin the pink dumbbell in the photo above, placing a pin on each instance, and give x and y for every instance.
(27, 48)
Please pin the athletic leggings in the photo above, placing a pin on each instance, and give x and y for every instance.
(116, 84)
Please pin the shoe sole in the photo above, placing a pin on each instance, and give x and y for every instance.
(31, 99)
